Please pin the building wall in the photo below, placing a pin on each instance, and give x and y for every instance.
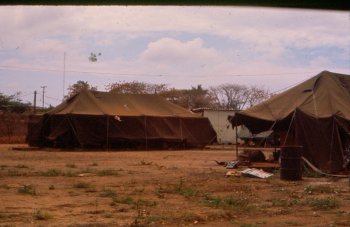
(218, 119)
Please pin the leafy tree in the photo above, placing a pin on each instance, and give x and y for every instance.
(78, 87)
(136, 87)
(189, 98)
(10, 103)
(197, 97)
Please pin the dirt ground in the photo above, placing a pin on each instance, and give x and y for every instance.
(158, 188)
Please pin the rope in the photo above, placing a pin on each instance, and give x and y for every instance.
(290, 125)
(314, 168)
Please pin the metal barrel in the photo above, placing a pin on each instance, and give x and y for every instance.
(291, 163)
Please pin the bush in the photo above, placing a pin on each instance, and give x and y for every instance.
(41, 215)
(27, 189)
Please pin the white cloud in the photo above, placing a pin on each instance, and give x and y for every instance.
(37, 36)
(169, 51)
(268, 31)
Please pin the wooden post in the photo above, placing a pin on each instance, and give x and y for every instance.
(107, 129)
(236, 142)
(34, 102)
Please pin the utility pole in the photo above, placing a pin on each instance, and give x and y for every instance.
(64, 73)
(34, 102)
(43, 87)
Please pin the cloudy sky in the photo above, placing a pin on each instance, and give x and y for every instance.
(180, 46)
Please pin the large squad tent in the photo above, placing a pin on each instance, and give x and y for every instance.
(109, 120)
(314, 114)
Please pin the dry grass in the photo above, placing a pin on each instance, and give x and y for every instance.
(157, 188)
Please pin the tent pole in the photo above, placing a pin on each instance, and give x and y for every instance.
(146, 133)
(236, 139)
(183, 144)
(107, 140)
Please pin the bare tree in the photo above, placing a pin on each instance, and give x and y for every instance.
(257, 95)
(235, 96)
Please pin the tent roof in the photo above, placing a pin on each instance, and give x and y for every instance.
(322, 96)
(105, 103)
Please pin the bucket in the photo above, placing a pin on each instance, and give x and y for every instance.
(291, 163)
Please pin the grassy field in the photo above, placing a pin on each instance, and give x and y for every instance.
(157, 188)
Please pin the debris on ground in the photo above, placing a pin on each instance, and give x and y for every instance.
(235, 173)
(232, 165)
(86, 175)
(252, 172)
(221, 163)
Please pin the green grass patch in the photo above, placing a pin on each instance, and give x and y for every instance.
(91, 189)
(126, 200)
(250, 225)
(57, 172)
(81, 185)
(293, 223)
(71, 165)
(21, 166)
(15, 173)
(314, 189)
(144, 163)
(153, 218)
(311, 173)
(108, 172)
(70, 174)
(27, 189)
(278, 202)
(41, 215)
(327, 203)
(108, 193)
(188, 192)
(51, 173)
(237, 203)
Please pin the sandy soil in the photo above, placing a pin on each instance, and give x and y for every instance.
(157, 188)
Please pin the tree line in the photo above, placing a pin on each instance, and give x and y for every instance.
(13, 104)
(224, 96)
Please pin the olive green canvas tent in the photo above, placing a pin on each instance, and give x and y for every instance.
(314, 114)
(102, 119)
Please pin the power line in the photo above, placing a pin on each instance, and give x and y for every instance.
(52, 98)
(151, 75)
(76, 71)
(285, 88)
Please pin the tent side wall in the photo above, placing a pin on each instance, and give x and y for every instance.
(321, 140)
(102, 131)
(35, 124)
